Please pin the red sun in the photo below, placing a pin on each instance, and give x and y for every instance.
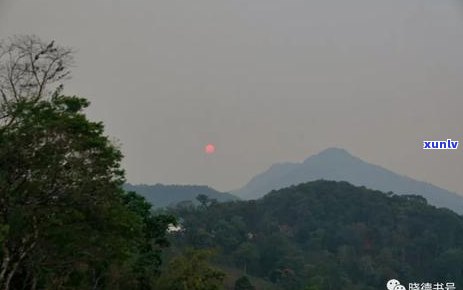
(209, 149)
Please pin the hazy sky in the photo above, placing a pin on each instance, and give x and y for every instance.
(264, 80)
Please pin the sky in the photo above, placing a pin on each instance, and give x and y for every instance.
(265, 81)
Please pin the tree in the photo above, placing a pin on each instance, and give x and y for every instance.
(27, 67)
(60, 190)
(191, 271)
(205, 200)
(246, 255)
(243, 283)
(148, 259)
(65, 221)
(30, 67)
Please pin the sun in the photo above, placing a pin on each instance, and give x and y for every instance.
(209, 149)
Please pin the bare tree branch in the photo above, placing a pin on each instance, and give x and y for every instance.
(30, 68)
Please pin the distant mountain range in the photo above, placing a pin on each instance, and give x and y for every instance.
(339, 165)
(160, 195)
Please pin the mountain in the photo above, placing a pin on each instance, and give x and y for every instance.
(160, 195)
(339, 165)
(330, 235)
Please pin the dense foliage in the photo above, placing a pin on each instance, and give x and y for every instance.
(65, 222)
(191, 270)
(330, 235)
(339, 165)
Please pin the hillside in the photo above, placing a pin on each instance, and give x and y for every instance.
(160, 195)
(338, 165)
(330, 235)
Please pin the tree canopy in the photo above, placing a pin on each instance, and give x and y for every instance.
(65, 222)
(330, 235)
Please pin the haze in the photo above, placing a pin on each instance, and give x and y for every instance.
(264, 80)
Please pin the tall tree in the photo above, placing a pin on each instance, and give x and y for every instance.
(191, 271)
(65, 221)
(28, 66)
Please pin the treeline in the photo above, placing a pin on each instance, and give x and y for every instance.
(160, 195)
(329, 235)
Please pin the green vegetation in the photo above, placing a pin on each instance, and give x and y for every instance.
(330, 235)
(243, 283)
(67, 223)
(339, 165)
(191, 271)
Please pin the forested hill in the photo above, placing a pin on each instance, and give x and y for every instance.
(338, 164)
(160, 195)
(330, 235)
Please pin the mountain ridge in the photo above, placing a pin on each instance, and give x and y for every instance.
(164, 195)
(339, 165)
